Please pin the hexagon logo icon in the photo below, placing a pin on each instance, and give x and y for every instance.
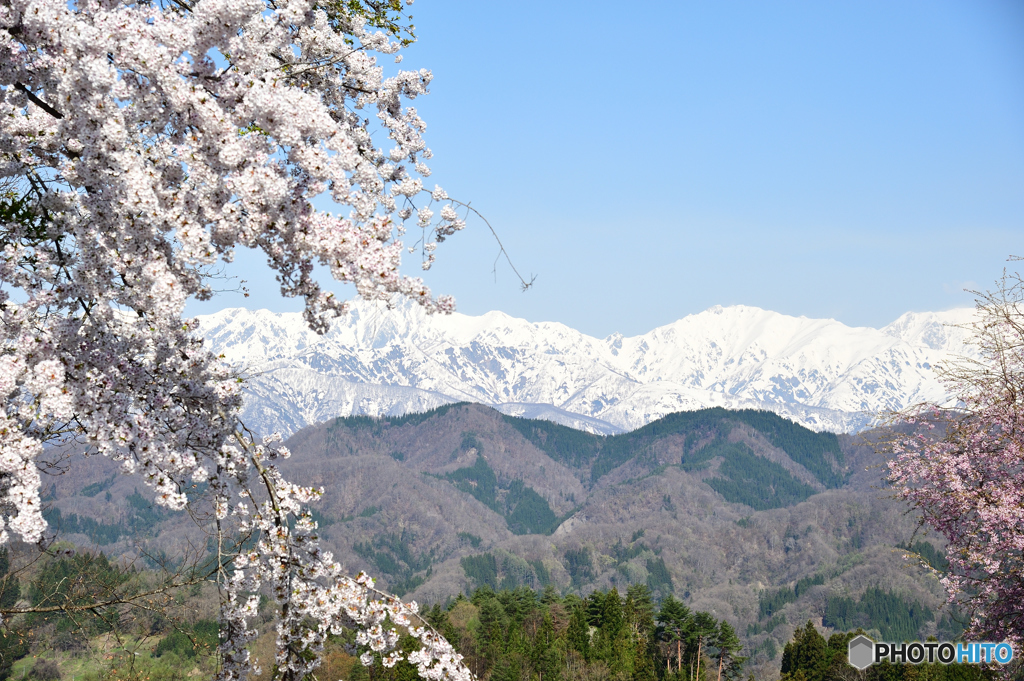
(861, 652)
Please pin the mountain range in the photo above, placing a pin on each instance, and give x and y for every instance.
(378, 361)
(739, 513)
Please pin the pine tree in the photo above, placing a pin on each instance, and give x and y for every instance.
(674, 625)
(730, 664)
(705, 628)
(595, 608)
(493, 630)
(550, 596)
(640, 610)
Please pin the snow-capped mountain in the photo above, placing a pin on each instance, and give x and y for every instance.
(378, 362)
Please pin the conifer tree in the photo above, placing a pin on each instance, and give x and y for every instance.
(640, 618)
(612, 633)
(10, 589)
(639, 610)
(13, 644)
(544, 655)
(578, 633)
(612, 619)
(704, 629)
(493, 628)
(730, 664)
(674, 625)
(806, 653)
(550, 596)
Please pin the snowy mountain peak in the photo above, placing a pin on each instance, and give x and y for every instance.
(380, 361)
(947, 330)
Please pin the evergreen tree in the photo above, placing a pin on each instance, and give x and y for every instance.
(514, 635)
(595, 608)
(485, 592)
(640, 610)
(507, 668)
(578, 634)
(10, 590)
(703, 631)
(611, 632)
(806, 653)
(612, 616)
(517, 604)
(13, 644)
(644, 668)
(674, 625)
(730, 664)
(544, 655)
(75, 582)
(808, 658)
(640, 619)
(493, 630)
(439, 619)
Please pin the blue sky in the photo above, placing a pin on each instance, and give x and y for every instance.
(851, 160)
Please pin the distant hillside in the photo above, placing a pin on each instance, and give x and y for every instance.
(741, 513)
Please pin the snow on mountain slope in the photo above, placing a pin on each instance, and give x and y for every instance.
(378, 362)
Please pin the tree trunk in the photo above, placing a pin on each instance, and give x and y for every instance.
(696, 677)
(721, 657)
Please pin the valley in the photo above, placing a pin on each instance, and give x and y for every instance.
(741, 514)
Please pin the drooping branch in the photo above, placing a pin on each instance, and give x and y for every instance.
(186, 162)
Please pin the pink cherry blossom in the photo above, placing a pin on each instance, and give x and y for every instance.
(963, 470)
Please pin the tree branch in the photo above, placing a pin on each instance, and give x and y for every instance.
(38, 102)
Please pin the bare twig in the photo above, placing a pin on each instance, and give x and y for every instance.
(525, 285)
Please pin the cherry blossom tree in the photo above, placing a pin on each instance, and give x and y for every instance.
(962, 468)
(141, 143)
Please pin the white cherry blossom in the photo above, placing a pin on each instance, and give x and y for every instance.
(140, 144)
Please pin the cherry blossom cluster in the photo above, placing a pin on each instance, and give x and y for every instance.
(140, 144)
(963, 469)
(315, 595)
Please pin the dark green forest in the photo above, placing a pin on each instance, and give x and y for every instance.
(519, 634)
(897, 619)
(818, 452)
(525, 511)
(140, 518)
(809, 657)
(516, 634)
(741, 477)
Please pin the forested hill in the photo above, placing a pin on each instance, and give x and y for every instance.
(755, 458)
(706, 434)
(739, 513)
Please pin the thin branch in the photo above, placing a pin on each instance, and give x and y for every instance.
(38, 102)
(525, 285)
(116, 600)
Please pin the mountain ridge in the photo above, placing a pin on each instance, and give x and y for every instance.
(376, 361)
(727, 510)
